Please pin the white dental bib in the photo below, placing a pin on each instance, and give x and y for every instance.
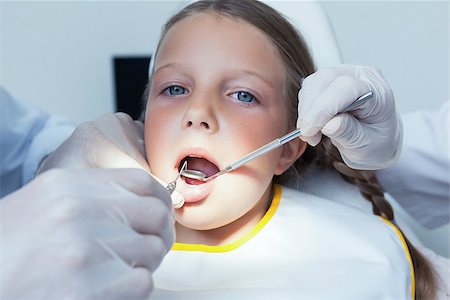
(305, 247)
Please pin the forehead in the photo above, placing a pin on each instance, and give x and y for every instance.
(221, 25)
(210, 37)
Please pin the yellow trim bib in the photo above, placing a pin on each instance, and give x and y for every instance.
(242, 240)
(312, 248)
(408, 256)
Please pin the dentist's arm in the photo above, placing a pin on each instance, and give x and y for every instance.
(368, 137)
(420, 180)
(27, 135)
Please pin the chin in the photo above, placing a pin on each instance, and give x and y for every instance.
(199, 220)
(221, 207)
(210, 213)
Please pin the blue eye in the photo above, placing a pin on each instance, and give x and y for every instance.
(244, 96)
(175, 90)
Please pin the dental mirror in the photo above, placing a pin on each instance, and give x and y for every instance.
(194, 174)
(199, 175)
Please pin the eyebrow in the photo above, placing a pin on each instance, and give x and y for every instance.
(256, 74)
(246, 72)
(168, 66)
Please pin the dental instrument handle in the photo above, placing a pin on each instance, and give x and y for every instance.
(264, 149)
(284, 139)
(171, 186)
(359, 101)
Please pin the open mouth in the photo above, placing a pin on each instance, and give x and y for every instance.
(198, 164)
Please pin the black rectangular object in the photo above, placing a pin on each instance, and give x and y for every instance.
(130, 79)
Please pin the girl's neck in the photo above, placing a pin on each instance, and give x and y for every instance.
(230, 232)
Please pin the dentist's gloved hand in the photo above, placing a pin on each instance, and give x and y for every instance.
(368, 137)
(110, 141)
(84, 234)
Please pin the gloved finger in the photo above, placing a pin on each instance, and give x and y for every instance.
(103, 196)
(136, 125)
(375, 110)
(123, 139)
(344, 129)
(88, 242)
(143, 183)
(130, 127)
(146, 215)
(110, 141)
(117, 124)
(137, 181)
(146, 251)
(336, 98)
(137, 284)
(116, 157)
(350, 137)
(311, 88)
(176, 197)
(316, 83)
(112, 281)
(312, 140)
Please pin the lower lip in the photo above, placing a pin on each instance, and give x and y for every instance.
(194, 192)
(192, 181)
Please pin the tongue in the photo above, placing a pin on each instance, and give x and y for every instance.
(203, 165)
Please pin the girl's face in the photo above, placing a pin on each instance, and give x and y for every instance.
(216, 95)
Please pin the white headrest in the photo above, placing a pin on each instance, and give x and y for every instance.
(310, 19)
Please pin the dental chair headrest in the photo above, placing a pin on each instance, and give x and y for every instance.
(310, 19)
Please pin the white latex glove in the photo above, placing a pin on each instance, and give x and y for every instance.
(110, 141)
(84, 234)
(368, 137)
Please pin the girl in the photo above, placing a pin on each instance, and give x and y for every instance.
(225, 82)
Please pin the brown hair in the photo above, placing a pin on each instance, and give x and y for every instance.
(297, 60)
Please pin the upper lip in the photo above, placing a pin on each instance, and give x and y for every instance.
(195, 152)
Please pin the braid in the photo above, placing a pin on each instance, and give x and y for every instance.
(326, 155)
(366, 181)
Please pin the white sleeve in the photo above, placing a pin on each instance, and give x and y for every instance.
(27, 136)
(420, 180)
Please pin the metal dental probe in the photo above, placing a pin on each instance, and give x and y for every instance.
(170, 187)
(199, 175)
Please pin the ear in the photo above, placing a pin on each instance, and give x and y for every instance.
(291, 152)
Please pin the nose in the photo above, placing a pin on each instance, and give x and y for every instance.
(201, 115)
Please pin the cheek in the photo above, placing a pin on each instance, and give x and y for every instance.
(150, 129)
(155, 135)
(156, 122)
(250, 134)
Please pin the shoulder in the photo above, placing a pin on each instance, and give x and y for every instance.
(339, 232)
(321, 205)
(328, 215)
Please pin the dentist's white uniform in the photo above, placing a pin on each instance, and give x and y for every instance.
(27, 135)
(420, 180)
